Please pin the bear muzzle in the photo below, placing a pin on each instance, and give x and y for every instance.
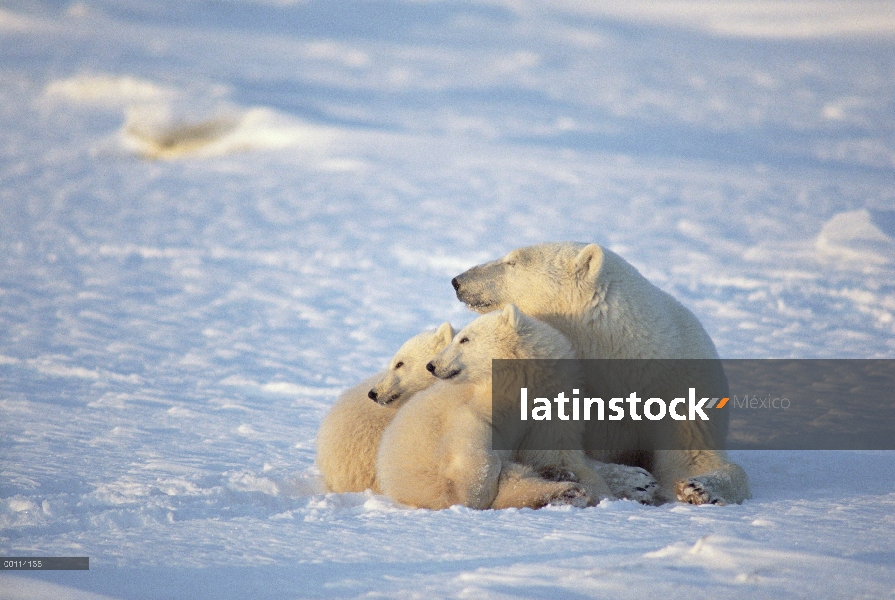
(473, 300)
(430, 366)
(375, 397)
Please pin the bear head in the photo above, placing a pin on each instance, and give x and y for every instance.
(540, 280)
(500, 334)
(406, 374)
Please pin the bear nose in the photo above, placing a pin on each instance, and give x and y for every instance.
(372, 395)
(456, 284)
(430, 367)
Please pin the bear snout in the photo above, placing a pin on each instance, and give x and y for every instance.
(372, 394)
(467, 290)
(430, 367)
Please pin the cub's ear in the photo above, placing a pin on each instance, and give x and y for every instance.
(444, 335)
(588, 262)
(512, 315)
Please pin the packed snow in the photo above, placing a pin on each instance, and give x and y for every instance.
(216, 216)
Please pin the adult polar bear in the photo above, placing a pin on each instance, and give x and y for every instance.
(607, 309)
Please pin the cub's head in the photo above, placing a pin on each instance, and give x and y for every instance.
(540, 280)
(407, 374)
(503, 334)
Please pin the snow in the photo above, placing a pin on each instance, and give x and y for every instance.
(214, 217)
(853, 236)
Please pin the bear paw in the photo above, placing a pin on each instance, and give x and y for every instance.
(554, 473)
(694, 491)
(643, 488)
(572, 495)
(631, 483)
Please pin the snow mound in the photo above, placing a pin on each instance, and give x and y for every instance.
(744, 564)
(855, 236)
(152, 132)
(161, 122)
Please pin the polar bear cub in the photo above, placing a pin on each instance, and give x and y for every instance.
(607, 309)
(437, 452)
(349, 435)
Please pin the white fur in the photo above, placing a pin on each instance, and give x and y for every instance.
(349, 435)
(437, 452)
(607, 309)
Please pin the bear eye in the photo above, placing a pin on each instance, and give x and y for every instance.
(463, 340)
(399, 364)
(510, 263)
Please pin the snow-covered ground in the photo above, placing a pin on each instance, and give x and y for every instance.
(215, 216)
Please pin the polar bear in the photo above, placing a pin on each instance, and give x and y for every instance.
(609, 310)
(349, 435)
(438, 450)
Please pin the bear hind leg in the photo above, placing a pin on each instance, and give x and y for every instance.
(520, 487)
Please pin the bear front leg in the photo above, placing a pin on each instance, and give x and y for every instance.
(726, 485)
(700, 477)
(631, 483)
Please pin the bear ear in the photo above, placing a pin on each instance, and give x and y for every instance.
(512, 315)
(589, 261)
(444, 334)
